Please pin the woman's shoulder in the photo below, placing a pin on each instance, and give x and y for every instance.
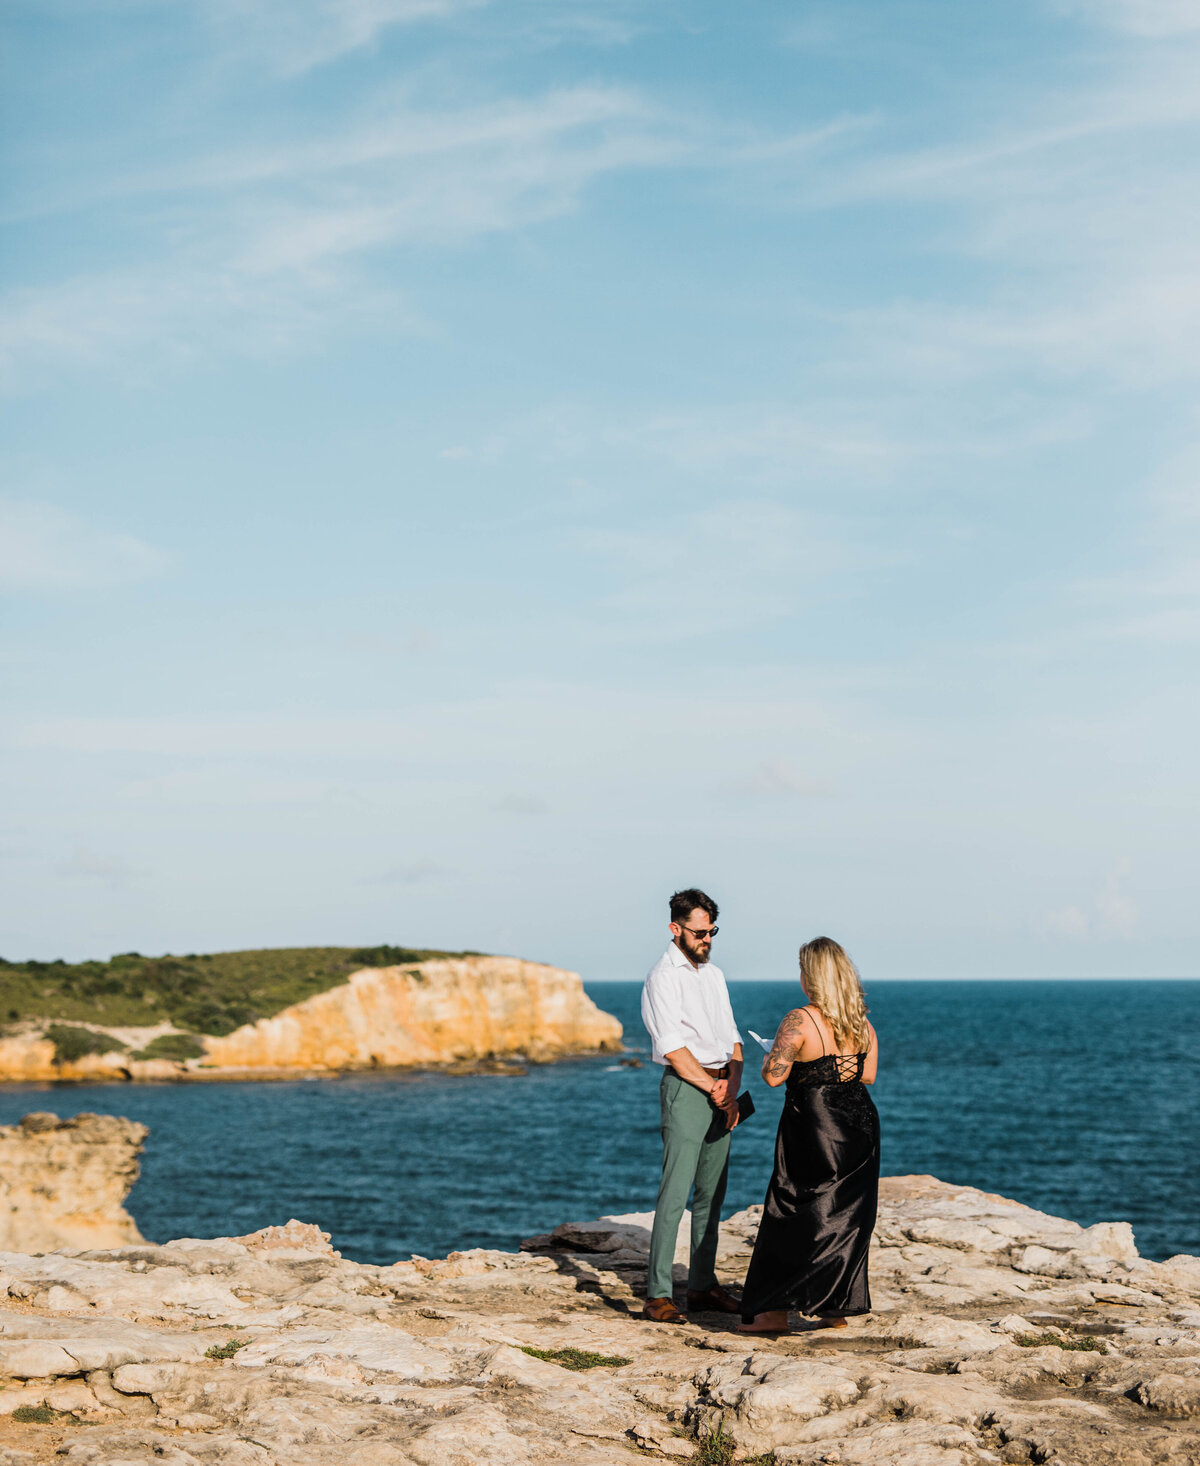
(812, 1016)
(799, 1022)
(791, 1027)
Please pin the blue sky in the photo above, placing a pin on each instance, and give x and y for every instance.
(472, 467)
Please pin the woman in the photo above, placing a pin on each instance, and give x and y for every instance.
(811, 1252)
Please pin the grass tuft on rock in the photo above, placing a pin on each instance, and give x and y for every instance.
(718, 1449)
(575, 1358)
(43, 1415)
(1085, 1342)
(226, 1350)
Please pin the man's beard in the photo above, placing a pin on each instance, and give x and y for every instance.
(698, 952)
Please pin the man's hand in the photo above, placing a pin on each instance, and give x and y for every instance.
(722, 1092)
(724, 1096)
(685, 1065)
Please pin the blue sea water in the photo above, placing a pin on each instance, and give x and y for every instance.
(1080, 1098)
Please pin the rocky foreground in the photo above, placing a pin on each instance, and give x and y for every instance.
(1000, 1334)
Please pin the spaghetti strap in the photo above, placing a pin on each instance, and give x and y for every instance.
(820, 1035)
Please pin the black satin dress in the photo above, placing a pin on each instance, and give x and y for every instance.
(811, 1252)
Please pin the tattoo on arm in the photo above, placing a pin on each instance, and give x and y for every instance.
(786, 1046)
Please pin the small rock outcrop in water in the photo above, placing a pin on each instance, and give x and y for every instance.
(1000, 1334)
(63, 1182)
(443, 1011)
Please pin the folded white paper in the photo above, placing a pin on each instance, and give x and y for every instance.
(765, 1044)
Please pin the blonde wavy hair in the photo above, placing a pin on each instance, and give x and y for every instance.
(832, 983)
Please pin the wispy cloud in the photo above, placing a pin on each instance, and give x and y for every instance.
(168, 315)
(295, 36)
(569, 722)
(729, 566)
(1112, 912)
(107, 870)
(1154, 18)
(764, 442)
(44, 548)
(276, 240)
(1068, 921)
(758, 435)
(776, 778)
(1077, 210)
(214, 786)
(1154, 597)
(410, 873)
(1116, 910)
(522, 804)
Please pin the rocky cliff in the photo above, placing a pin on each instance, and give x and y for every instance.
(438, 1012)
(1000, 1335)
(63, 1182)
(450, 1010)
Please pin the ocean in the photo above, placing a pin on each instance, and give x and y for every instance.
(1080, 1098)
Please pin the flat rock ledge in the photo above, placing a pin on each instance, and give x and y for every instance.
(1000, 1334)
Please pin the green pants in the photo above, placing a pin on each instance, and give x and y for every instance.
(688, 1159)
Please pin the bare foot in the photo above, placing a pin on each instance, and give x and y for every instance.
(774, 1322)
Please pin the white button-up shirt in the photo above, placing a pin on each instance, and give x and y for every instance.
(686, 1007)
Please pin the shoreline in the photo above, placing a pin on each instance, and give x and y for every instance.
(513, 1067)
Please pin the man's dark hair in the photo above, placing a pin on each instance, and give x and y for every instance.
(683, 903)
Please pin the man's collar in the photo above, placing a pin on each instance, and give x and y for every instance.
(677, 955)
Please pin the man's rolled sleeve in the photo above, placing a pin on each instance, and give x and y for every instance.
(731, 1027)
(662, 1015)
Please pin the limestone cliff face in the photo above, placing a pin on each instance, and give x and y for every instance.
(31, 1059)
(435, 1012)
(28, 1059)
(63, 1182)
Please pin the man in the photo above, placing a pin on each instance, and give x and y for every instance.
(685, 1008)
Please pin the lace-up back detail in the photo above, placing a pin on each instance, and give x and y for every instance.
(829, 1068)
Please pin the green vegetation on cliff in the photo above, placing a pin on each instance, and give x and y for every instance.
(72, 1043)
(213, 994)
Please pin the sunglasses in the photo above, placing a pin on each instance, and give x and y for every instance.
(710, 931)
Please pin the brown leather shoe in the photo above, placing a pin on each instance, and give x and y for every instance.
(663, 1310)
(714, 1300)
